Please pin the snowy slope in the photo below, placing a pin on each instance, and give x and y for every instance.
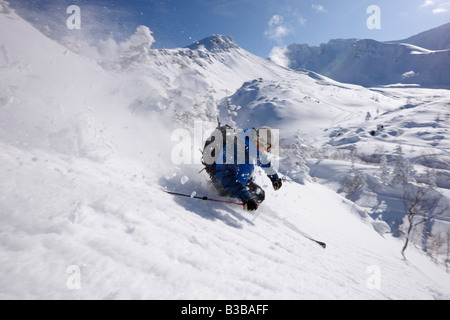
(343, 133)
(86, 152)
(371, 63)
(131, 241)
(313, 104)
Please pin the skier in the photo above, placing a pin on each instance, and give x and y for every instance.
(232, 173)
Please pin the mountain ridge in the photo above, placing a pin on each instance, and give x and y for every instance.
(369, 62)
(433, 39)
(215, 43)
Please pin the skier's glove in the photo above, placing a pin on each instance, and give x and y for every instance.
(277, 183)
(250, 205)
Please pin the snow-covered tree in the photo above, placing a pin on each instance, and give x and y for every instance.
(403, 171)
(385, 171)
(296, 158)
(354, 182)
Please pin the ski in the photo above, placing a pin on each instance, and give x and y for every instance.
(203, 198)
(305, 235)
(320, 243)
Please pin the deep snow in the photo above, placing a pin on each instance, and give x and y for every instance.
(86, 152)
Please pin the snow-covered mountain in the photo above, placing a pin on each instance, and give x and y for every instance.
(372, 63)
(88, 138)
(215, 43)
(434, 39)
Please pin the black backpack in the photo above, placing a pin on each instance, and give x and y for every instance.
(216, 141)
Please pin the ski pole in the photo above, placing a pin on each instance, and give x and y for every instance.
(203, 198)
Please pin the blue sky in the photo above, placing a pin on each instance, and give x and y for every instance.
(256, 25)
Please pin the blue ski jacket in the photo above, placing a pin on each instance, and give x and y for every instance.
(235, 165)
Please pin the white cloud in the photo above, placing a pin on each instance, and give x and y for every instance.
(279, 26)
(440, 10)
(277, 33)
(302, 21)
(280, 32)
(277, 29)
(321, 8)
(278, 56)
(276, 20)
(436, 6)
(427, 3)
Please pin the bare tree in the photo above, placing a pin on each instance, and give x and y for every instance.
(421, 204)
